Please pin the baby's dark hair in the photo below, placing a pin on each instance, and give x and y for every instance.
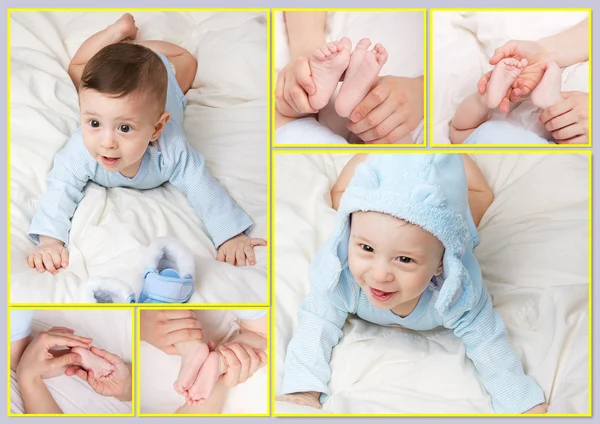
(123, 68)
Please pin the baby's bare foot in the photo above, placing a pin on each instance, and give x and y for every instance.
(361, 74)
(547, 91)
(503, 75)
(125, 27)
(327, 65)
(206, 379)
(101, 367)
(191, 363)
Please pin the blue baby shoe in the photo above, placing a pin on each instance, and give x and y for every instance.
(169, 274)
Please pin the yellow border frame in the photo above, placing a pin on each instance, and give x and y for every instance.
(587, 153)
(133, 367)
(267, 13)
(350, 146)
(269, 365)
(432, 143)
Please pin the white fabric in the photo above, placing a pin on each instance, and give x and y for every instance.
(463, 43)
(539, 288)
(110, 330)
(158, 371)
(224, 121)
(401, 33)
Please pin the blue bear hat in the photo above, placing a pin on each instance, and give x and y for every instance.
(426, 190)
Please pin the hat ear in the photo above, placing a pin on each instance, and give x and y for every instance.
(458, 293)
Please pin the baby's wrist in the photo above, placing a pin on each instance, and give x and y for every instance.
(49, 241)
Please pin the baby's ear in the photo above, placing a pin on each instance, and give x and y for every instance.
(439, 269)
(160, 125)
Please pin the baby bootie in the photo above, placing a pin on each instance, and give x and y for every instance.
(169, 273)
(105, 290)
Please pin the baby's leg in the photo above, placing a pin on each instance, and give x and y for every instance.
(361, 74)
(207, 378)
(193, 355)
(123, 29)
(475, 109)
(101, 367)
(547, 91)
(185, 63)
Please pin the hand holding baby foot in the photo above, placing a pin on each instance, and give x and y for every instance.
(542, 408)
(50, 256)
(568, 119)
(306, 399)
(237, 249)
(118, 384)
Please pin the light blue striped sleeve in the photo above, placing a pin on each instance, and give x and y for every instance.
(186, 169)
(320, 321)
(73, 168)
(487, 345)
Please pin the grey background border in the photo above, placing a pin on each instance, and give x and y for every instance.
(280, 4)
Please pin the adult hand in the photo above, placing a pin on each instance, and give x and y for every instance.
(117, 385)
(537, 58)
(242, 362)
(38, 362)
(294, 85)
(391, 110)
(567, 120)
(162, 329)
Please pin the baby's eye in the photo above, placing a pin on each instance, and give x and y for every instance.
(366, 247)
(94, 123)
(404, 259)
(124, 128)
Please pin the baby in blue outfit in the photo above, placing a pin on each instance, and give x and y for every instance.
(471, 124)
(401, 253)
(131, 99)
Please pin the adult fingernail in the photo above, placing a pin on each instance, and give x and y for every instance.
(355, 117)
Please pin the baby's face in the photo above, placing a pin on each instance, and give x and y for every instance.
(392, 260)
(117, 131)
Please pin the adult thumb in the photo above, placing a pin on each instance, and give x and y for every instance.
(67, 359)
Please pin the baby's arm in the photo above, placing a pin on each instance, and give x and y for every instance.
(320, 320)
(481, 195)
(340, 185)
(225, 221)
(51, 222)
(487, 345)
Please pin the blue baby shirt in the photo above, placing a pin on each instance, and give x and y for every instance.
(169, 159)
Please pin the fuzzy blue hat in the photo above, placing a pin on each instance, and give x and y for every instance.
(426, 190)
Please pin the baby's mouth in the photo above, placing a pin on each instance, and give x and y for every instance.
(108, 161)
(381, 295)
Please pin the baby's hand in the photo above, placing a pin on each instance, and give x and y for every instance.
(305, 398)
(235, 250)
(50, 256)
(542, 408)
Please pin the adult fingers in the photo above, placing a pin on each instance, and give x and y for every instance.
(184, 335)
(244, 360)
(555, 110)
(375, 97)
(110, 357)
(62, 329)
(279, 86)
(507, 50)
(483, 82)
(374, 118)
(561, 121)
(303, 75)
(568, 132)
(172, 325)
(232, 376)
(394, 136)
(580, 139)
(383, 128)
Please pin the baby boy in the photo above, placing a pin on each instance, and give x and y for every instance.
(401, 253)
(131, 99)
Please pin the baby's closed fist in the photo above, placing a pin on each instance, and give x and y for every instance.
(50, 256)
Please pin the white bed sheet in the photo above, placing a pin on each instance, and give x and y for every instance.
(225, 120)
(401, 33)
(534, 259)
(156, 387)
(463, 43)
(110, 330)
